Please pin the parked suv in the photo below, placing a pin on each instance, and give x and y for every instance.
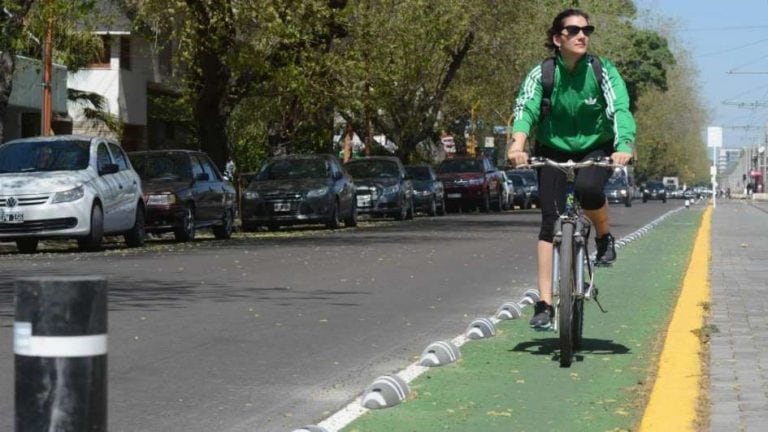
(68, 187)
(654, 190)
(184, 192)
(471, 182)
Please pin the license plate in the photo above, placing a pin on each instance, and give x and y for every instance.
(454, 195)
(282, 207)
(11, 217)
(363, 201)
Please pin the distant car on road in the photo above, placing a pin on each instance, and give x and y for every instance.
(471, 183)
(521, 197)
(185, 192)
(428, 193)
(68, 186)
(654, 190)
(618, 190)
(384, 188)
(300, 189)
(531, 184)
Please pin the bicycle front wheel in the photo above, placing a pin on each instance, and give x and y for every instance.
(566, 285)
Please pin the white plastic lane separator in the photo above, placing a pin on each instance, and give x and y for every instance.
(56, 346)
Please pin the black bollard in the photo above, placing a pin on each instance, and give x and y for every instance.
(60, 346)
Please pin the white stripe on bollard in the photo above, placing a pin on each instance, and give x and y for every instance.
(56, 346)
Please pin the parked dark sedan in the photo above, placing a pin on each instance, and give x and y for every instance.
(522, 196)
(184, 192)
(383, 187)
(531, 180)
(428, 194)
(300, 189)
(654, 190)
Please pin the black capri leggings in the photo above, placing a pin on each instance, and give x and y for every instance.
(552, 186)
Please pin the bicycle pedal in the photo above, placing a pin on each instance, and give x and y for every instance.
(543, 329)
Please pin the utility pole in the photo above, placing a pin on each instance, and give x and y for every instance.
(46, 114)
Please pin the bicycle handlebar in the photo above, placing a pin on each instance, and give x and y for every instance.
(537, 162)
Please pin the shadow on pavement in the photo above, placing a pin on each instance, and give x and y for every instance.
(551, 347)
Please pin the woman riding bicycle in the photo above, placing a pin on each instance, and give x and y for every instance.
(582, 120)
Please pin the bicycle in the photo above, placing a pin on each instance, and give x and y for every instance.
(571, 262)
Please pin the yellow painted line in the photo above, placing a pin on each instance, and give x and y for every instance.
(673, 401)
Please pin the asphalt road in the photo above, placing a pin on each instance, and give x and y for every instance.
(272, 332)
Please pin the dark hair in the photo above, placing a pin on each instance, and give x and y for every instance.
(557, 25)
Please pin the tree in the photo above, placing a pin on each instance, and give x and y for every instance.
(12, 20)
(231, 50)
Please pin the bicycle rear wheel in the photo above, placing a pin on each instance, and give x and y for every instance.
(565, 289)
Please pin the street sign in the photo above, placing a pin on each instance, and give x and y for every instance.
(714, 136)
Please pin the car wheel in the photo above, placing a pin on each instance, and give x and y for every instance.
(628, 202)
(27, 245)
(273, 226)
(136, 235)
(224, 231)
(664, 200)
(497, 205)
(333, 220)
(92, 242)
(351, 220)
(442, 209)
(485, 205)
(411, 210)
(432, 211)
(186, 232)
(645, 200)
(402, 213)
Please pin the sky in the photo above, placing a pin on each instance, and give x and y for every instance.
(728, 42)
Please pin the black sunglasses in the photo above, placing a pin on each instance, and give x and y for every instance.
(573, 30)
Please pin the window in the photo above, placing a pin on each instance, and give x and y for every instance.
(104, 57)
(117, 153)
(102, 157)
(213, 173)
(125, 52)
(196, 168)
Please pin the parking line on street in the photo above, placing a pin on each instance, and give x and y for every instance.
(673, 400)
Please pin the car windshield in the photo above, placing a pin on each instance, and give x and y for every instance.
(653, 185)
(162, 166)
(460, 166)
(373, 168)
(418, 173)
(31, 156)
(288, 169)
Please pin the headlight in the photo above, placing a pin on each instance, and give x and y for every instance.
(69, 196)
(252, 195)
(646, 191)
(391, 190)
(476, 181)
(161, 199)
(316, 193)
(623, 191)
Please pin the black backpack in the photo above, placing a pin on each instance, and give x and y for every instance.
(548, 80)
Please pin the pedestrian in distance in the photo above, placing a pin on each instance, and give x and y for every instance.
(580, 106)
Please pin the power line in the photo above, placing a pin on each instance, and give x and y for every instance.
(705, 29)
(727, 50)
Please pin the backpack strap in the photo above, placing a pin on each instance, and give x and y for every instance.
(548, 80)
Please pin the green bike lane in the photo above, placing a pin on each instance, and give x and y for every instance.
(513, 381)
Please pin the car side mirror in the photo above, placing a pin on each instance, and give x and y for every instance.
(109, 169)
(202, 177)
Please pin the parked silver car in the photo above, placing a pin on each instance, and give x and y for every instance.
(68, 187)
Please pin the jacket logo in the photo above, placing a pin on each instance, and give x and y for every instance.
(590, 101)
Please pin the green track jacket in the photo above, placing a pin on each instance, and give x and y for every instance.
(582, 116)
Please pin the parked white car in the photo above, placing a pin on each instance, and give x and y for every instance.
(68, 187)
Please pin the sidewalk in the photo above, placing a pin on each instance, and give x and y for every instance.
(739, 346)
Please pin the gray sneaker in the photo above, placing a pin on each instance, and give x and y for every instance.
(542, 316)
